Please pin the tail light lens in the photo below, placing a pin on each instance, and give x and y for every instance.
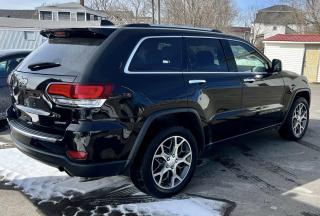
(79, 95)
(77, 155)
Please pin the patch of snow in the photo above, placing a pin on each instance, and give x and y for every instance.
(43, 182)
(183, 207)
(3, 144)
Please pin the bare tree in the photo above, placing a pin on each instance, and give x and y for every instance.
(103, 5)
(313, 14)
(122, 11)
(140, 8)
(202, 13)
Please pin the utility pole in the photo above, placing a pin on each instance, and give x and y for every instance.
(159, 12)
(152, 3)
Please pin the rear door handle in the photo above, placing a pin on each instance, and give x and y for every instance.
(249, 80)
(197, 81)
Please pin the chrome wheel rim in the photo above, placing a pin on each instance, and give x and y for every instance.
(299, 119)
(171, 162)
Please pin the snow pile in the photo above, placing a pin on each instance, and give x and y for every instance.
(185, 207)
(44, 182)
(4, 145)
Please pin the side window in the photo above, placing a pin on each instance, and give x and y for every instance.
(12, 64)
(3, 68)
(248, 59)
(158, 55)
(206, 55)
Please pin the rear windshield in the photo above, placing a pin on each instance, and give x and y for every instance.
(72, 54)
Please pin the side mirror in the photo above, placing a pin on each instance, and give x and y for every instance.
(276, 65)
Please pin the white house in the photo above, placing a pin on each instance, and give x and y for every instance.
(20, 29)
(299, 53)
(277, 19)
(71, 11)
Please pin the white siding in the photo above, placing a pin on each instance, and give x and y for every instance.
(319, 72)
(17, 39)
(291, 55)
(267, 30)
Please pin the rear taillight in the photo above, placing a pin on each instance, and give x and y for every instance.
(77, 155)
(79, 95)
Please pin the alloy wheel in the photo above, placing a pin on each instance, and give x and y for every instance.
(299, 119)
(171, 162)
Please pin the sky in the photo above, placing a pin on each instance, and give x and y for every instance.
(31, 4)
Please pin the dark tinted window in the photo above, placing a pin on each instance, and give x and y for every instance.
(73, 54)
(247, 58)
(3, 68)
(158, 54)
(9, 65)
(206, 55)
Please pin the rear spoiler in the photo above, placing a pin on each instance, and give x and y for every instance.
(77, 32)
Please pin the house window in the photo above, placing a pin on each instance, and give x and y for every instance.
(275, 28)
(81, 16)
(55, 16)
(45, 15)
(29, 36)
(88, 17)
(64, 15)
(73, 17)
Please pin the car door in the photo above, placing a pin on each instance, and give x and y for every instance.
(262, 90)
(212, 89)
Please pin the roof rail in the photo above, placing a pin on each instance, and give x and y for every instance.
(106, 23)
(186, 27)
(137, 25)
(145, 25)
(216, 30)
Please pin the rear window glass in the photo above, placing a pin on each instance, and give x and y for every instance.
(73, 54)
(158, 55)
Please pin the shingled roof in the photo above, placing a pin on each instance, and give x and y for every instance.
(21, 14)
(277, 14)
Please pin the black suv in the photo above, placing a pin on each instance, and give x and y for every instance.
(147, 101)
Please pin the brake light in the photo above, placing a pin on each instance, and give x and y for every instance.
(77, 155)
(60, 34)
(81, 95)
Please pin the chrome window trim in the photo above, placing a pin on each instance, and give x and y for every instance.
(127, 65)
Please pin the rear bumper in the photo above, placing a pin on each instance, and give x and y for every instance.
(74, 169)
(51, 149)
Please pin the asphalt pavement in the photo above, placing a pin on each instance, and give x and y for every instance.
(260, 174)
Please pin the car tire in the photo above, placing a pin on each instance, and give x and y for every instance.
(168, 163)
(296, 123)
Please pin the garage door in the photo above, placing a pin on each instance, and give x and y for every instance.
(311, 63)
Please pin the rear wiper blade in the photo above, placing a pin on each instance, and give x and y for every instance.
(43, 65)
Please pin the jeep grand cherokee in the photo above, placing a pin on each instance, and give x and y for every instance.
(147, 100)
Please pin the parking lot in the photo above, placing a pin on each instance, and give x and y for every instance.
(259, 174)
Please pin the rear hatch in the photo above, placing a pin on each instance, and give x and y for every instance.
(61, 59)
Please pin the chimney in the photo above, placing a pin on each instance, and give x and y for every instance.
(82, 2)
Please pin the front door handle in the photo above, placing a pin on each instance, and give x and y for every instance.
(249, 80)
(197, 81)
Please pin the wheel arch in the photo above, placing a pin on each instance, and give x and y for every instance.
(305, 93)
(166, 118)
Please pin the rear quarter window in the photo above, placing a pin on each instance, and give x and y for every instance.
(158, 55)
